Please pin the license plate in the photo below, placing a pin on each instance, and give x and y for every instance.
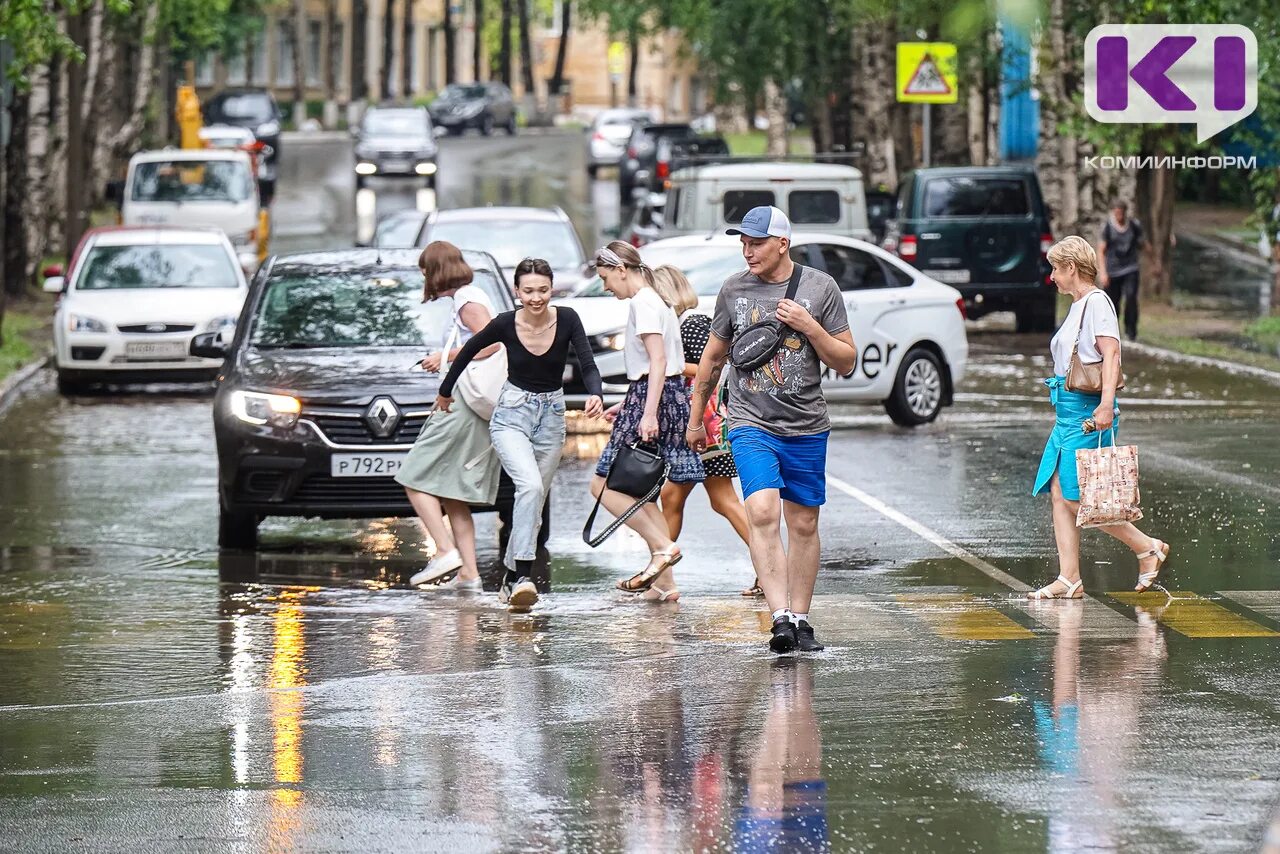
(155, 349)
(365, 465)
(949, 277)
(396, 165)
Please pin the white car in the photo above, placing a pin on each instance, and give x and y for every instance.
(908, 328)
(134, 298)
(607, 137)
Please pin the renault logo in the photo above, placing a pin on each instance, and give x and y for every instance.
(383, 417)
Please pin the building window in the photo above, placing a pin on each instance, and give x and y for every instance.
(204, 70)
(259, 48)
(236, 70)
(336, 57)
(284, 54)
(315, 50)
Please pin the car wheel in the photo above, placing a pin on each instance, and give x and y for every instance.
(1038, 316)
(511, 125)
(486, 125)
(68, 386)
(917, 393)
(593, 170)
(237, 529)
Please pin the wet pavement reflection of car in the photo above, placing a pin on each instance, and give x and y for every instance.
(321, 397)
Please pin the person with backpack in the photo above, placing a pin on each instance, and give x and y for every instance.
(778, 323)
(1118, 245)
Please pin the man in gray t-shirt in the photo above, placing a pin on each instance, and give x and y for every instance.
(777, 414)
(784, 396)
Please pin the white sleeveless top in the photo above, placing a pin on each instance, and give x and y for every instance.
(464, 295)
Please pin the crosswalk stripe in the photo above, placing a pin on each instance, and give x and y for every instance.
(1265, 602)
(961, 616)
(1194, 616)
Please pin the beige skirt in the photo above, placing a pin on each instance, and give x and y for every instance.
(453, 458)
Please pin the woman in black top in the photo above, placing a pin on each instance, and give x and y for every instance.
(527, 427)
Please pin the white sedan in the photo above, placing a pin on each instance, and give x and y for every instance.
(134, 298)
(909, 329)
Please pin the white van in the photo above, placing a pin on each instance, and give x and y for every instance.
(194, 188)
(822, 197)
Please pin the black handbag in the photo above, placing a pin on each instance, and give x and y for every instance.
(757, 343)
(638, 470)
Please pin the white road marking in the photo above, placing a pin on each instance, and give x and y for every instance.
(927, 533)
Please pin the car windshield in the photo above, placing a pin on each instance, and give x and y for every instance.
(510, 241)
(327, 307)
(461, 91)
(706, 267)
(167, 265)
(398, 231)
(192, 181)
(397, 123)
(253, 108)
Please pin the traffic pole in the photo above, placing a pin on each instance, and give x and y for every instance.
(927, 134)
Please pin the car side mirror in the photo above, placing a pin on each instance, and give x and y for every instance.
(54, 284)
(115, 193)
(209, 345)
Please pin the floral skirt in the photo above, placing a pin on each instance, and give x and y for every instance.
(673, 420)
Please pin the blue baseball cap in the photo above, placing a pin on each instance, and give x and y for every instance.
(764, 221)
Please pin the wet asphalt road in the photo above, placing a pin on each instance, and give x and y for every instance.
(158, 696)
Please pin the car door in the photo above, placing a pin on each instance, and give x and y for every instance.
(870, 288)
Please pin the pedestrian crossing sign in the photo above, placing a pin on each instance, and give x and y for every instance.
(927, 73)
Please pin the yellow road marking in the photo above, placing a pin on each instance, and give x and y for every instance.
(961, 616)
(1194, 616)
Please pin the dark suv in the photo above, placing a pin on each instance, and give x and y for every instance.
(639, 165)
(254, 109)
(984, 230)
(320, 398)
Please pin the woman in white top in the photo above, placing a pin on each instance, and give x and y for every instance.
(652, 411)
(1091, 321)
(451, 465)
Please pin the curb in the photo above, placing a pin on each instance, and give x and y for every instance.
(1239, 252)
(1235, 368)
(9, 388)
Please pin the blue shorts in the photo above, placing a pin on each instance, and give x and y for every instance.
(796, 466)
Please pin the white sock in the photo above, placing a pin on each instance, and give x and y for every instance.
(796, 618)
(781, 612)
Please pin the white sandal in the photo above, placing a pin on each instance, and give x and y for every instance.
(1146, 580)
(672, 595)
(1074, 590)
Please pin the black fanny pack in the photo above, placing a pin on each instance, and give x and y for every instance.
(756, 344)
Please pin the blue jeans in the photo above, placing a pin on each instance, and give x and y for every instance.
(527, 429)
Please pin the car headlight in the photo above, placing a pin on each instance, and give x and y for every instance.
(219, 324)
(80, 323)
(614, 341)
(278, 410)
(427, 168)
(270, 128)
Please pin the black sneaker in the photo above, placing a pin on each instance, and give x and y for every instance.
(784, 635)
(805, 639)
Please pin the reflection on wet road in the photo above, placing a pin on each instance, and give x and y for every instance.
(158, 695)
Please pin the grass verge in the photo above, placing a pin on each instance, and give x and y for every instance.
(26, 333)
(752, 143)
(1197, 333)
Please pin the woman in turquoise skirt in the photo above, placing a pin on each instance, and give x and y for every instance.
(1091, 328)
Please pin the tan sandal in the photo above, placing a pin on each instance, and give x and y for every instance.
(643, 580)
(1146, 580)
(1075, 590)
(755, 591)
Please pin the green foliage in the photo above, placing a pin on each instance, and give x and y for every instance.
(195, 26)
(31, 29)
(1265, 332)
(16, 350)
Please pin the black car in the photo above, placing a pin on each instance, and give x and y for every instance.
(320, 397)
(985, 231)
(254, 109)
(395, 142)
(483, 106)
(639, 165)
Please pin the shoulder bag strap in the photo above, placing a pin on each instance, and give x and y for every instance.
(621, 520)
(794, 284)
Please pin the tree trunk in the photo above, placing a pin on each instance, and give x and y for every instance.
(74, 177)
(360, 49)
(504, 45)
(526, 52)
(775, 113)
(35, 211)
(407, 48)
(298, 34)
(450, 45)
(633, 71)
(1155, 198)
(477, 44)
(101, 152)
(333, 49)
(874, 110)
(15, 193)
(562, 49)
(126, 137)
(388, 76)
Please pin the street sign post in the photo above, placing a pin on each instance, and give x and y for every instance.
(927, 75)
